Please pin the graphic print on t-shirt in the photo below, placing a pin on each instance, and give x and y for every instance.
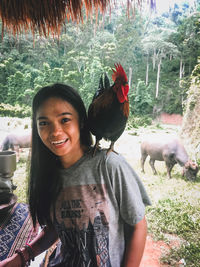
(83, 223)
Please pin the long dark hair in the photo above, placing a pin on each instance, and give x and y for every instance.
(43, 183)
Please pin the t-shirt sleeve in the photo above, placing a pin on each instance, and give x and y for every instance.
(127, 188)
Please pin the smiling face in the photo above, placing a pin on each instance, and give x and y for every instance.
(58, 128)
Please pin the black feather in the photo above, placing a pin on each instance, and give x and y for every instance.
(106, 82)
(100, 89)
(102, 86)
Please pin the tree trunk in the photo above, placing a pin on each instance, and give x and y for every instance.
(147, 70)
(181, 69)
(154, 59)
(158, 78)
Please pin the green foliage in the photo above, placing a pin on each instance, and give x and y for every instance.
(8, 110)
(93, 71)
(171, 217)
(19, 178)
(172, 103)
(196, 74)
(138, 121)
(181, 219)
(142, 99)
(187, 40)
(17, 84)
(83, 52)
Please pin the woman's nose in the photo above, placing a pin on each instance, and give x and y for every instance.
(56, 129)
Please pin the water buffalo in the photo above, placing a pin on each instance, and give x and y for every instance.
(17, 140)
(170, 150)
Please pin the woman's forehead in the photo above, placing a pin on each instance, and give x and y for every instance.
(55, 105)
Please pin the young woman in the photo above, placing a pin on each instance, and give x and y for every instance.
(95, 205)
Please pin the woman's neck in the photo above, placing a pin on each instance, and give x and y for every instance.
(71, 159)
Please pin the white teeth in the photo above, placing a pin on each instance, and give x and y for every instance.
(58, 142)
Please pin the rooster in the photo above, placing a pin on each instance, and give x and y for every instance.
(109, 110)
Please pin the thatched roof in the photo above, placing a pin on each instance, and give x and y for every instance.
(48, 16)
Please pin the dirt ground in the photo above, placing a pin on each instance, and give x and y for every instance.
(154, 251)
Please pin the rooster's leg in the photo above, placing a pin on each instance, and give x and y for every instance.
(111, 148)
(96, 147)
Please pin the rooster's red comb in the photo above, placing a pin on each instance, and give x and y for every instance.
(119, 73)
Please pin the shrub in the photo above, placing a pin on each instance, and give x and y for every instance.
(14, 111)
(139, 121)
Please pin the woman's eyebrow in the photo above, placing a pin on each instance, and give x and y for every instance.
(65, 113)
(59, 115)
(41, 118)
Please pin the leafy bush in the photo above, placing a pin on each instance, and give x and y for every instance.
(14, 111)
(142, 99)
(136, 122)
(196, 73)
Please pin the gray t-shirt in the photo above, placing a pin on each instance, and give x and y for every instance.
(101, 195)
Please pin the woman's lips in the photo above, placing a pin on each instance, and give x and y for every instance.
(59, 142)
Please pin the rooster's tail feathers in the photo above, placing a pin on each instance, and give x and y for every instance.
(103, 85)
(100, 83)
(100, 89)
(106, 82)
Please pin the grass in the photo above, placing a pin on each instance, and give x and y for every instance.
(179, 218)
(20, 178)
(175, 211)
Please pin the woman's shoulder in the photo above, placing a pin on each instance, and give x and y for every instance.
(115, 158)
(109, 158)
(103, 153)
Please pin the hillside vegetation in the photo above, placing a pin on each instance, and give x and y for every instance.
(157, 51)
(191, 120)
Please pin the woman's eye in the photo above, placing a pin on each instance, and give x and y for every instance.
(42, 123)
(65, 120)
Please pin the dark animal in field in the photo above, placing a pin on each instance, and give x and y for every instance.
(108, 113)
(16, 141)
(171, 151)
